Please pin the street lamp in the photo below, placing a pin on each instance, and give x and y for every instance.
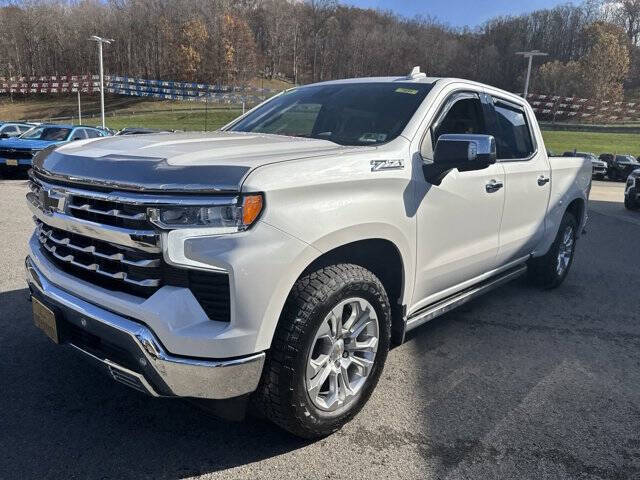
(530, 55)
(100, 41)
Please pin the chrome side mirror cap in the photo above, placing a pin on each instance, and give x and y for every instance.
(466, 152)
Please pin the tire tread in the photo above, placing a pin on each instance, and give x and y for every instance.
(275, 398)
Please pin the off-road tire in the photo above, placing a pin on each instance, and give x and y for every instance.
(542, 271)
(281, 395)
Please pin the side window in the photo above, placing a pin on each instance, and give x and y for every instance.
(461, 113)
(513, 137)
(9, 129)
(23, 128)
(79, 134)
(92, 133)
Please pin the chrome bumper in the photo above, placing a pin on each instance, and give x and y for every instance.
(149, 367)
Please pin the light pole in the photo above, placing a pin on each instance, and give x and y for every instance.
(79, 109)
(100, 41)
(530, 55)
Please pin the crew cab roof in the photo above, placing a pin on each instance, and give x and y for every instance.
(403, 79)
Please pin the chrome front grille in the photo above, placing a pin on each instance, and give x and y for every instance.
(109, 212)
(99, 257)
(106, 239)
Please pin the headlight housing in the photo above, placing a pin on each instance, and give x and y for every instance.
(235, 216)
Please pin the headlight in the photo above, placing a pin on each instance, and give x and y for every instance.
(233, 217)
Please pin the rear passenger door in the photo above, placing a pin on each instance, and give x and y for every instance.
(528, 180)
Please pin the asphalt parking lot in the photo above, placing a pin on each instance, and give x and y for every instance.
(520, 384)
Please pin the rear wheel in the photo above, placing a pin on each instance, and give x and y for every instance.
(328, 351)
(550, 270)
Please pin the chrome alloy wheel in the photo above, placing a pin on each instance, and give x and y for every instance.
(565, 251)
(342, 354)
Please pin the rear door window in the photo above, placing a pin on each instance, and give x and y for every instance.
(92, 133)
(79, 134)
(513, 137)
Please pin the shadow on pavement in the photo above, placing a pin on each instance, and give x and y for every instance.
(60, 418)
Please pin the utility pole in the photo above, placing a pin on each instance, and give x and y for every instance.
(530, 55)
(79, 109)
(100, 41)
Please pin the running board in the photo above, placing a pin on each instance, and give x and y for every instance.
(443, 306)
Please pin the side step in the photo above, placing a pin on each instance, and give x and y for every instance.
(443, 306)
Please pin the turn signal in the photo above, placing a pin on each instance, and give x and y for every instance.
(251, 208)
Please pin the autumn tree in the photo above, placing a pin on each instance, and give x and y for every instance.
(605, 64)
(238, 49)
(192, 37)
(559, 78)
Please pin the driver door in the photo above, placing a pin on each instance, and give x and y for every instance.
(458, 221)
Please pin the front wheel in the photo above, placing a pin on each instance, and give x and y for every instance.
(550, 270)
(328, 351)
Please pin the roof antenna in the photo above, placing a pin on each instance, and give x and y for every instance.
(416, 73)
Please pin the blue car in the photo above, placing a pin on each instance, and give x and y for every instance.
(14, 129)
(18, 152)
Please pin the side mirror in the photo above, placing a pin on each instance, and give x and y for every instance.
(466, 152)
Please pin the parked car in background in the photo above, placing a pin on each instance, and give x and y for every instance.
(599, 167)
(632, 191)
(18, 152)
(276, 260)
(14, 129)
(619, 166)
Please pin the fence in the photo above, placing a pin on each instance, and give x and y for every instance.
(548, 108)
(139, 87)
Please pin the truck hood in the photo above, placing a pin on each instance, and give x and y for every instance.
(187, 162)
(24, 144)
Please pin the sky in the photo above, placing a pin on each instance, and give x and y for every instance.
(457, 13)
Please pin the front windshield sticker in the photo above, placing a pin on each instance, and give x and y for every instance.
(411, 91)
(373, 137)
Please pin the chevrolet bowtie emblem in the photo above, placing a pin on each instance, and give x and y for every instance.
(53, 200)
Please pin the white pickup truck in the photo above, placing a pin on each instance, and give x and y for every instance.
(274, 263)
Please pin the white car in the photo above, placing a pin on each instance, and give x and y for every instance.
(277, 260)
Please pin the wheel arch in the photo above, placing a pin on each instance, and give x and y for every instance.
(576, 207)
(382, 258)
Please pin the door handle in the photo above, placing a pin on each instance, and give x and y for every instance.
(542, 180)
(493, 186)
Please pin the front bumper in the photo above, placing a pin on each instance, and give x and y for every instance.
(131, 354)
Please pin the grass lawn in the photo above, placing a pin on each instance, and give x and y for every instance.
(596, 142)
(191, 121)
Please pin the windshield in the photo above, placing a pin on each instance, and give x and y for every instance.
(347, 114)
(47, 133)
(625, 158)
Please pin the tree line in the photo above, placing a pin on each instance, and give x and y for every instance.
(590, 46)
